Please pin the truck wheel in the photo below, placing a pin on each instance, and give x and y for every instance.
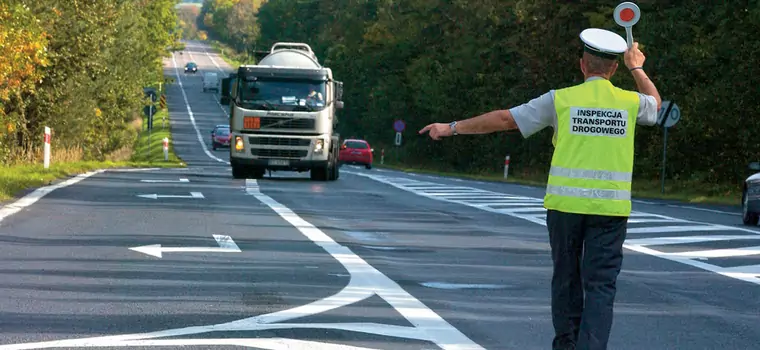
(258, 173)
(368, 166)
(319, 173)
(238, 172)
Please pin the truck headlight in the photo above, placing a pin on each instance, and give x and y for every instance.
(239, 144)
(319, 145)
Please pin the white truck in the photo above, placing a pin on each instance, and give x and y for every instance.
(282, 115)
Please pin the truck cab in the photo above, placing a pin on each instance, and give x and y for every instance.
(283, 115)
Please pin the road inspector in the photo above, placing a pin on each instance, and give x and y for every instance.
(588, 194)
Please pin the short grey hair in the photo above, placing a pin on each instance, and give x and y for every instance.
(597, 65)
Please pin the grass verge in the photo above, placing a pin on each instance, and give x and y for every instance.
(229, 54)
(65, 162)
(683, 191)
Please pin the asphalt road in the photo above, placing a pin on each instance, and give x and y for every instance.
(378, 259)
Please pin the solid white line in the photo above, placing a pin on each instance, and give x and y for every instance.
(687, 239)
(704, 209)
(192, 118)
(663, 229)
(31, 198)
(719, 253)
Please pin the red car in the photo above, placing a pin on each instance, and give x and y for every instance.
(356, 152)
(220, 136)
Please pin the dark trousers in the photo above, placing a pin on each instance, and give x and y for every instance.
(587, 251)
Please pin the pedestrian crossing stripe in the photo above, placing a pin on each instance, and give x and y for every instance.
(531, 209)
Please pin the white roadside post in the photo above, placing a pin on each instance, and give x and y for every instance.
(382, 156)
(506, 166)
(166, 149)
(46, 149)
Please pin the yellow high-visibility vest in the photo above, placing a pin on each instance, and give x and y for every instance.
(592, 165)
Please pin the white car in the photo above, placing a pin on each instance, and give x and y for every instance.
(210, 81)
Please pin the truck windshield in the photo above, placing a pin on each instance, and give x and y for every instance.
(283, 94)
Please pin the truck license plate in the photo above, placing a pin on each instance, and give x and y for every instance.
(280, 162)
(251, 123)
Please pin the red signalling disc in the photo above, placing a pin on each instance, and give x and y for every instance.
(627, 14)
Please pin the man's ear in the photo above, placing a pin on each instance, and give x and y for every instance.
(583, 68)
(614, 68)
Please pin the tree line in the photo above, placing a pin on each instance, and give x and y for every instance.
(79, 67)
(429, 61)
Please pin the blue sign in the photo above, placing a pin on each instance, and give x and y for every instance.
(399, 125)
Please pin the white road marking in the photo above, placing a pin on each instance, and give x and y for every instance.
(226, 245)
(720, 253)
(193, 195)
(192, 118)
(638, 245)
(442, 285)
(704, 209)
(640, 201)
(31, 198)
(687, 239)
(135, 170)
(166, 181)
(663, 229)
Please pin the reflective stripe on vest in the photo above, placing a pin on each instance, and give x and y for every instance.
(588, 192)
(592, 165)
(591, 174)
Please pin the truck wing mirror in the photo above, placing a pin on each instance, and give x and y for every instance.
(339, 104)
(754, 166)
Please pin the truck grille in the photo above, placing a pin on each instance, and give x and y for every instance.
(278, 141)
(279, 153)
(286, 123)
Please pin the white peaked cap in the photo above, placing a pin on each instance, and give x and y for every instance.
(603, 43)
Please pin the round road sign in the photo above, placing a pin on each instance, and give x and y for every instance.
(674, 116)
(627, 14)
(399, 125)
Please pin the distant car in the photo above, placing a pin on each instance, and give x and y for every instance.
(220, 137)
(354, 151)
(191, 67)
(751, 197)
(210, 81)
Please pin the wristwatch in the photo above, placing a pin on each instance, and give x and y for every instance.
(453, 126)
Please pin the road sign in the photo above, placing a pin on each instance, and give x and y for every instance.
(626, 15)
(398, 139)
(673, 117)
(399, 125)
(669, 114)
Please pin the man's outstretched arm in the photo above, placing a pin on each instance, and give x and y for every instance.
(529, 118)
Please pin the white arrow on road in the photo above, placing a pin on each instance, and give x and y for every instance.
(170, 181)
(157, 196)
(226, 245)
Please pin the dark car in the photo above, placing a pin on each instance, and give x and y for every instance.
(191, 67)
(355, 151)
(751, 197)
(220, 137)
